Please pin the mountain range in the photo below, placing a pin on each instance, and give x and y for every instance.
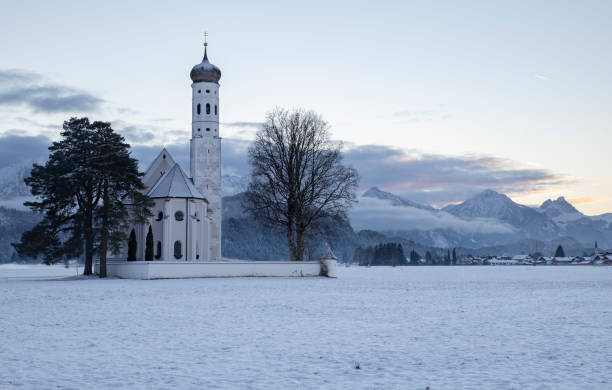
(489, 223)
(553, 220)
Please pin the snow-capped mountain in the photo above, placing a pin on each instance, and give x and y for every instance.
(493, 205)
(560, 210)
(375, 192)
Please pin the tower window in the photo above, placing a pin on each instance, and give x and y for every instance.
(208, 91)
(179, 216)
(160, 216)
(158, 254)
(215, 109)
(198, 129)
(208, 129)
(207, 109)
(178, 250)
(199, 109)
(199, 90)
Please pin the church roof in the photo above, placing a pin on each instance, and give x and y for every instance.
(205, 71)
(160, 165)
(174, 184)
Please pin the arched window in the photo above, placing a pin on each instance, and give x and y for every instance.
(215, 109)
(158, 251)
(179, 216)
(207, 108)
(160, 216)
(178, 250)
(199, 109)
(132, 243)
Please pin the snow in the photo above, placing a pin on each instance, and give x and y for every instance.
(526, 327)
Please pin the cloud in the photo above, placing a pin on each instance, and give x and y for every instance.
(439, 179)
(586, 199)
(541, 77)
(381, 215)
(17, 149)
(22, 88)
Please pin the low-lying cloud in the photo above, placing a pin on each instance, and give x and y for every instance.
(381, 215)
(22, 88)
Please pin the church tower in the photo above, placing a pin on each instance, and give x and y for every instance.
(205, 150)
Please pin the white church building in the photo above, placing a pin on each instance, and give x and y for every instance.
(186, 224)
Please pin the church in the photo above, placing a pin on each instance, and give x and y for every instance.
(186, 222)
(182, 238)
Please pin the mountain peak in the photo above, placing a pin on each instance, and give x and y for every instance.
(488, 193)
(558, 208)
(492, 204)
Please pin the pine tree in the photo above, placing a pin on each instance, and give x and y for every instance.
(454, 259)
(414, 257)
(67, 194)
(79, 191)
(149, 245)
(559, 252)
(428, 258)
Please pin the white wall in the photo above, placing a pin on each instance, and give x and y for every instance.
(180, 269)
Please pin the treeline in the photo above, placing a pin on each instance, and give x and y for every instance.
(393, 254)
(381, 254)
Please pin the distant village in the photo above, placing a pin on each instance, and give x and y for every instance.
(393, 254)
(599, 259)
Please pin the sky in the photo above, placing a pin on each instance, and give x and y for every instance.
(435, 101)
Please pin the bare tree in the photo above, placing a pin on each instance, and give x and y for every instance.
(297, 175)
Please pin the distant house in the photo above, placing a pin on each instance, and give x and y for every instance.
(562, 260)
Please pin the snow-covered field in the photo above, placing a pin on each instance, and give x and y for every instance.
(407, 328)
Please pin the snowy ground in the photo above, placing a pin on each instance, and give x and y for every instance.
(408, 328)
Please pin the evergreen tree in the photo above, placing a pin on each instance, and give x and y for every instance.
(454, 259)
(400, 255)
(447, 257)
(149, 245)
(67, 191)
(79, 192)
(428, 257)
(559, 252)
(414, 257)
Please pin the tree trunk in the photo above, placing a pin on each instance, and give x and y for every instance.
(300, 243)
(104, 232)
(291, 240)
(89, 244)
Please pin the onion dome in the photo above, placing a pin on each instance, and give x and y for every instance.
(205, 71)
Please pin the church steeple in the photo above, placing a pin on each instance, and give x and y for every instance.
(205, 158)
(205, 71)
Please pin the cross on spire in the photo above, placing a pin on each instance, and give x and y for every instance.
(205, 38)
